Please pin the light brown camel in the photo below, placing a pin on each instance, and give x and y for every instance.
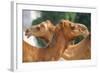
(50, 53)
(44, 30)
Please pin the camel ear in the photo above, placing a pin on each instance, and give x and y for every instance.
(48, 21)
(42, 25)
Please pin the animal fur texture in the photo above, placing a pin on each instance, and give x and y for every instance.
(79, 51)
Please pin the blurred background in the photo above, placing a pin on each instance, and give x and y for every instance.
(35, 17)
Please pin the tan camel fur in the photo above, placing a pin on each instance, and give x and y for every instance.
(79, 51)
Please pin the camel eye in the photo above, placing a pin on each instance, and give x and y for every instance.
(83, 29)
(38, 28)
(72, 26)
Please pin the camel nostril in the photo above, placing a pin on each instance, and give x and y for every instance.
(27, 31)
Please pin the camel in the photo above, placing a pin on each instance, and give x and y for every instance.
(44, 30)
(71, 48)
(50, 53)
(56, 46)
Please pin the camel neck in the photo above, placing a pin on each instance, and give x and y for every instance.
(58, 40)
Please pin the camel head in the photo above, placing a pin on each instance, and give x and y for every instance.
(72, 30)
(41, 30)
